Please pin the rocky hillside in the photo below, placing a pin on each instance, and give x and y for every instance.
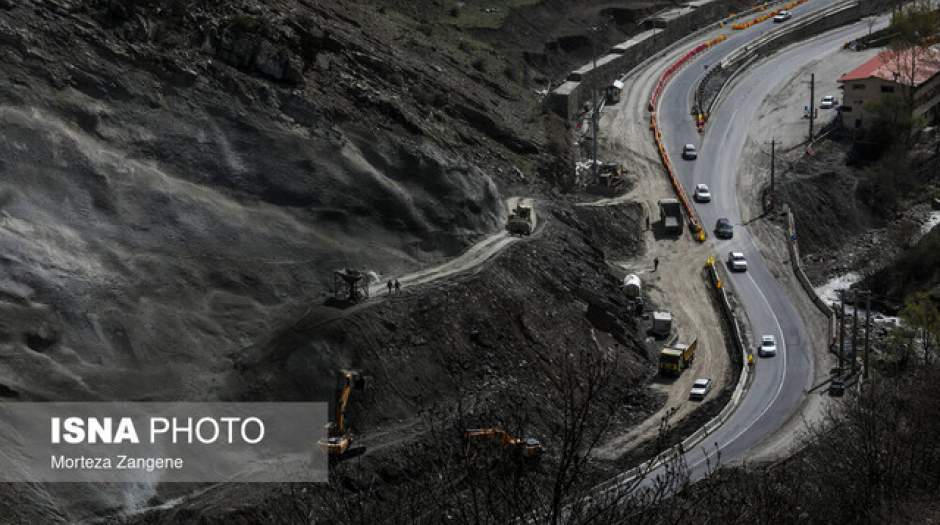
(178, 175)
(179, 179)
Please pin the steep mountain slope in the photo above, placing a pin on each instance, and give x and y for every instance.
(179, 180)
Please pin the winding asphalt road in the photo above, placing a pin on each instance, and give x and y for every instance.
(781, 382)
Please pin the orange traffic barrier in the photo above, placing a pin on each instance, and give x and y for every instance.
(694, 224)
(767, 16)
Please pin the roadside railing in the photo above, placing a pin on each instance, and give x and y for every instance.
(794, 249)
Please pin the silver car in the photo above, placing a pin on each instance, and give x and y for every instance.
(702, 194)
(768, 346)
(700, 388)
(737, 262)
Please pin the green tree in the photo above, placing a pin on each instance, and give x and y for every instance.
(922, 315)
(914, 25)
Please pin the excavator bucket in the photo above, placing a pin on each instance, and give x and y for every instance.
(356, 379)
(532, 448)
(336, 445)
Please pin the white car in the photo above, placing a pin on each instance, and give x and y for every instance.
(737, 262)
(700, 388)
(827, 102)
(768, 346)
(689, 152)
(702, 194)
(782, 16)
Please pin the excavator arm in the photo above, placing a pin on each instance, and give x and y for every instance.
(342, 402)
(530, 447)
(338, 436)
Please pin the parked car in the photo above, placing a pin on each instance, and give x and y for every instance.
(782, 16)
(689, 152)
(768, 346)
(827, 102)
(724, 229)
(737, 262)
(702, 194)
(700, 388)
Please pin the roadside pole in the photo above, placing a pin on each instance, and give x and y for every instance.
(867, 329)
(595, 110)
(812, 105)
(854, 329)
(773, 164)
(841, 328)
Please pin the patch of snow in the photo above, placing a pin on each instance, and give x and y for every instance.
(829, 292)
(932, 221)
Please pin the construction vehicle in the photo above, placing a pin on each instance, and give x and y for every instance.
(614, 91)
(611, 178)
(339, 437)
(520, 220)
(350, 285)
(673, 360)
(662, 324)
(670, 215)
(528, 447)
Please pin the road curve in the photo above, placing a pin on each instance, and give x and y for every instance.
(780, 383)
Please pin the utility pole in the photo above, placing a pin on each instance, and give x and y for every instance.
(773, 164)
(867, 329)
(595, 109)
(812, 105)
(854, 328)
(841, 328)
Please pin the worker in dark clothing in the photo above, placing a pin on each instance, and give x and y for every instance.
(397, 286)
(389, 287)
(656, 264)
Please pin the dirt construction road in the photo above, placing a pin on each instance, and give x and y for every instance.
(678, 285)
(476, 255)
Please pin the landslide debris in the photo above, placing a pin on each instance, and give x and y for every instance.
(180, 179)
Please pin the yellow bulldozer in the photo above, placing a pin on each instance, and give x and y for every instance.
(339, 437)
(520, 220)
(528, 447)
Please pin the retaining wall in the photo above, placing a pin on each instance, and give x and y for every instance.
(663, 29)
(839, 14)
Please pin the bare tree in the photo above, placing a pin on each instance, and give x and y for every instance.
(443, 478)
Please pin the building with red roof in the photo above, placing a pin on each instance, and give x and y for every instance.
(890, 74)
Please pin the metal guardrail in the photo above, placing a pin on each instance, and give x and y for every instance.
(714, 423)
(767, 16)
(746, 51)
(794, 249)
(741, 59)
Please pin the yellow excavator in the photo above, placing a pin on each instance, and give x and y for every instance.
(529, 447)
(339, 438)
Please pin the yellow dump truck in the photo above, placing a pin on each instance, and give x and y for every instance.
(676, 358)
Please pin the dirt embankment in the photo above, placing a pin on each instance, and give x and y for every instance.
(868, 217)
(180, 180)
